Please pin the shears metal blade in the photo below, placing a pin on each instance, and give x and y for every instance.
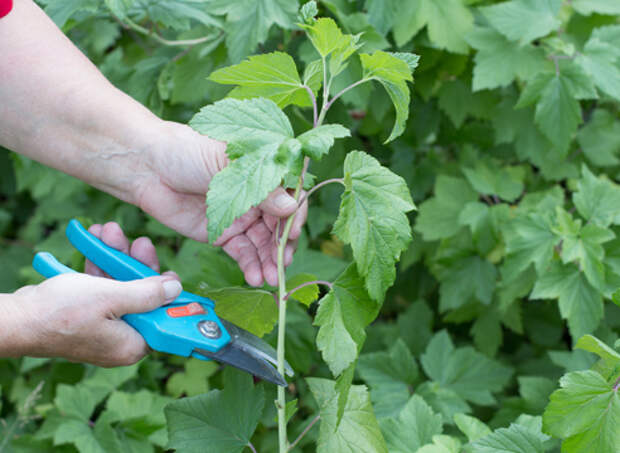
(188, 326)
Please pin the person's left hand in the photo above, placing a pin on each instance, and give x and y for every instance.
(172, 189)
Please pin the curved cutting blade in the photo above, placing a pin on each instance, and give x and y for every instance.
(255, 346)
(249, 353)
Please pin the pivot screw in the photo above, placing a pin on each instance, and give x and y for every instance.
(209, 329)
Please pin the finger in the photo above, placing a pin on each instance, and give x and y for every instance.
(239, 226)
(112, 235)
(171, 274)
(270, 272)
(271, 221)
(279, 203)
(241, 249)
(289, 251)
(261, 237)
(144, 251)
(128, 347)
(139, 296)
(89, 267)
(300, 220)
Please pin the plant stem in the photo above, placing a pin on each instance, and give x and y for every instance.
(281, 402)
(282, 294)
(303, 285)
(251, 447)
(343, 91)
(318, 186)
(128, 23)
(304, 432)
(314, 107)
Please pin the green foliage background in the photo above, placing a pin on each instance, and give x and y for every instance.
(511, 153)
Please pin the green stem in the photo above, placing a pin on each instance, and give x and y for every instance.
(281, 402)
(305, 431)
(167, 42)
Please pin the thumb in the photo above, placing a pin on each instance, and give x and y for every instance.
(139, 296)
(279, 203)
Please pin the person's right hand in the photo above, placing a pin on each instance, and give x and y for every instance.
(77, 316)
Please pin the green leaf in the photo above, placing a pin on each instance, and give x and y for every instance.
(273, 76)
(250, 123)
(307, 294)
(358, 430)
(313, 75)
(447, 21)
(579, 302)
(529, 239)
(585, 412)
(583, 245)
(259, 137)
(535, 391)
(193, 380)
(60, 11)
(254, 310)
(78, 433)
(489, 179)
(308, 11)
(382, 13)
(599, 60)
(372, 219)
(146, 406)
(487, 332)
(442, 444)
(179, 14)
(500, 61)
(524, 20)
(600, 139)
(317, 142)
(389, 374)
(597, 199)
(342, 316)
(415, 426)
(465, 371)
(221, 420)
(439, 216)
(411, 59)
(249, 21)
(516, 438)
(324, 34)
(444, 401)
(473, 428)
(393, 73)
(75, 401)
(609, 365)
(588, 7)
(467, 279)
(558, 112)
(408, 22)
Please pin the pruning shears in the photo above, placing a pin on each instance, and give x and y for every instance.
(188, 326)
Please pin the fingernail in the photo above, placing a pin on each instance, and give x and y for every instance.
(172, 288)
(285, 202)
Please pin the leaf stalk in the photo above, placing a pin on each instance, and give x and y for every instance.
(303, 285)
(318, 186)
(304, 432)
(128, 23)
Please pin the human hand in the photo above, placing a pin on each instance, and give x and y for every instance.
(78, 316)
(172, 189)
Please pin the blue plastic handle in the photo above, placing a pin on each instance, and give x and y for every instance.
(115, 263)
(48, 266)
(162, 331)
